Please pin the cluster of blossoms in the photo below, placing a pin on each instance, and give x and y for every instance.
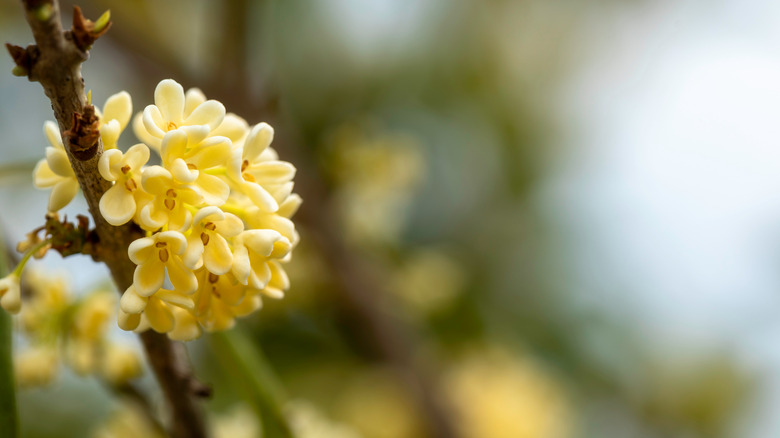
(216, 210)
(60, 328)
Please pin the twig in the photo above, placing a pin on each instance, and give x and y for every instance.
(55, 61)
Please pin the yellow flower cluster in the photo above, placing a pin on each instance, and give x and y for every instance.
(216, 211)
(55, 323)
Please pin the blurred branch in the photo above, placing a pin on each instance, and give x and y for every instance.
(55, 62)
(9, 416)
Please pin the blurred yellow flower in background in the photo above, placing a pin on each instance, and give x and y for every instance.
(498, 395)
(54, 321)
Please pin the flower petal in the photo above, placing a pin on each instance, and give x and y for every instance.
(230, 226)
(260, 197)
(148, 277)
(143, 134)
(159, 315)
(260, 275)
(109, 161)
(128, 321)
(43, 176)
(136, 156)
(141, 250)
(131, 302)
(175, 240)
(174, 144)
(279, 278)
(109, 133)
(290, 206)
(217, 256)
(212, 152)
(175, 298)
(241, 266)
(209, 113)
(154, 122)
(213, 189)
(156, 180)
(210, 213)
(194, 251)
(62, 193)
(192, 98)
(117, 205)
(181, 172)
(182, 278)
(186, 327)
(58, 161)
(52, 133)
(261, 241)
(233, 127)
(118, 107)
(260, 137)
(272, 172)
(169, 98)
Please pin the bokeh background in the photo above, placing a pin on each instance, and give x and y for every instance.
(526, 219)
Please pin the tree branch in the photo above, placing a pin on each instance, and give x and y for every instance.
(55, 61)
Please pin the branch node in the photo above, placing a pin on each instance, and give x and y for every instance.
(24, 58)
(199, 389)
(84, 134)
(85, 32)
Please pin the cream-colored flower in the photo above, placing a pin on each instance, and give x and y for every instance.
(171, 198)
(168, 113)
(188, 156)
(49, 295)
(497, 395)
(211, 228)
(11, 293)
(257, 176)
(233, 127)
(255, 254)
(36, 366)
(114, 117)
(157, 309)
(120, 364)
(156, 254)
(186, 327)
(120, 203)
(220, 299)
(92, 317)
(54, 171)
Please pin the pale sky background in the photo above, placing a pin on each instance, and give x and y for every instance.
(670, 187)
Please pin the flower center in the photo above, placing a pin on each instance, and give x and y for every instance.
(204, 237)
(213, 280)
(169, 201)
(163, 251)
(130, 185)
(172, 126)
